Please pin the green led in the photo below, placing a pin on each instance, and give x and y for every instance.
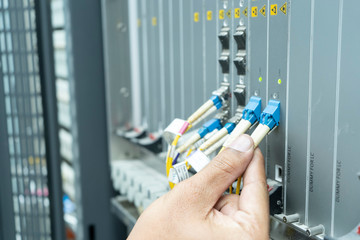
(279, 81)
(260, 79)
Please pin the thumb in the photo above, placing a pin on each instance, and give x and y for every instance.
(222, 171)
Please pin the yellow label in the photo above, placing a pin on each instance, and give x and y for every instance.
(263, 10)
(209, 15)
(196, 17)
(228, 13)
(154, 21)
(254, 11)
(284, 8)
(237, 12)
(139, 22)
(222, 14)
(245, 12)
(273, 9)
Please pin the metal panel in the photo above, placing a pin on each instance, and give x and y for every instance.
(144, 62)
(257, 56)
(197, 52)
(87, 76)
(176, 52)
(277, 74)
(239, 19)
(187, 59)
(323, 73)
(233, 49)
(142, 76)
(136, 98)
(297, 109)
(346, 175)
(153, 61)
(222, 21)
(119, 83)
(167, 80)
(51, 125)
(210, 40)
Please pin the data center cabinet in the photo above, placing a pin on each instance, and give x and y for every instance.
(165, 58)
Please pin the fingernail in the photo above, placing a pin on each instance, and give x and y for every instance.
(242, 143)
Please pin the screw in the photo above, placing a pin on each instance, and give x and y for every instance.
(124, 92)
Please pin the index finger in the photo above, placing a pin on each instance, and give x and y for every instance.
(254, 198)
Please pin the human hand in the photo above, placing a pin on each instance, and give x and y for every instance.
(198, 209)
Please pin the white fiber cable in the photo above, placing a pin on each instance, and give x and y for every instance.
(259, 134)
(219, 135)
(205, 115)
(241, 128)
(216, 146)
(193, 139)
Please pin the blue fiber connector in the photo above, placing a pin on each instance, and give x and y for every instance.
(252, 110)
(271, 114)
(215, 99)
(229, 127)
(209, 126)
(218, 105)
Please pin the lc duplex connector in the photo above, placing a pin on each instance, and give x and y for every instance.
(251, 115)
(227, 129)
(269, 119)
(208, 127)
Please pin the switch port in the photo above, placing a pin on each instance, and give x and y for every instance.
(240, 94)
(240, 37)
(278, 173)
(240, 63)
(224, 37)
(224, 61)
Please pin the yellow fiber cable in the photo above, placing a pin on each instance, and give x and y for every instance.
(238, 186)
(222, 149)
(169, 159)
(196, 115)
(230, 189)
(189, 152)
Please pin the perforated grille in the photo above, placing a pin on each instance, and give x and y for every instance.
(19, 66)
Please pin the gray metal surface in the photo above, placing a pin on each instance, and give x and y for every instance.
(87, 76)
(50, 115)
(297, 114)
(210, 63)
(197, 19)
(177, 69)
(152, 22)
(240, 19)
(145, 93)
(185, 102)
(346, 166)
(257, 58)
(116, 29)
(167, 69)
(276, 85)
(324, 49)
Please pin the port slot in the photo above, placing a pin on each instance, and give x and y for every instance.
(240, 38)
(278, 173)
(224, 37)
